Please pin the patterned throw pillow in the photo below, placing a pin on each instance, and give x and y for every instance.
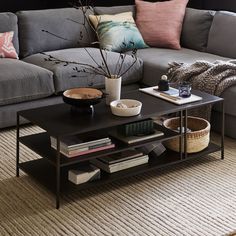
(7, 49)
(117, 33)
(160, 23)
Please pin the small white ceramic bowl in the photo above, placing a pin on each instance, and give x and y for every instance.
(126, 107)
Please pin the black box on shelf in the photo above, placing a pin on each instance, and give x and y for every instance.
(137, 128)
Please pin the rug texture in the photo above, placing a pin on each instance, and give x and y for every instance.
(194, 198)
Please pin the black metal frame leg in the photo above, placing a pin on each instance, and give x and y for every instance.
(17, 145)
(58, 175)
(185, 133)
(223, 131)
(181, 134)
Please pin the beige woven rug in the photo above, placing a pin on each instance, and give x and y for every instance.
(195, 198)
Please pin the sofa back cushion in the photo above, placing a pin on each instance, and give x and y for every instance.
(114, 10)
(65, 29)
(222, 35)
(8, 22)
(196, 27)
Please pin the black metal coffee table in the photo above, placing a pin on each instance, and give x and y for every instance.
(57, 120)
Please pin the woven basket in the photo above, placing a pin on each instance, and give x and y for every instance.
(197, 140)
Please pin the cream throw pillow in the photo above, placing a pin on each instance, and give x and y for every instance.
(96, 19)
(117, 33)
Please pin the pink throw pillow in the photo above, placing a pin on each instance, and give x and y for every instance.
(160, 23)
(7, 49)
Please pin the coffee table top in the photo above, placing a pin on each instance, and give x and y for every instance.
(58, 121)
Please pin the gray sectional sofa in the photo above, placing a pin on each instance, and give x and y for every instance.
(33, 81)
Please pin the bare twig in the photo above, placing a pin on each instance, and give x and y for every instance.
(129, 67)
(117, 63)
(57, 36)
(122, 63)
(59, 61)
(82, 8)
(94, 60)
(99, 69)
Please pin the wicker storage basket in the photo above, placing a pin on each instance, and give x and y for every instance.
(197, 140)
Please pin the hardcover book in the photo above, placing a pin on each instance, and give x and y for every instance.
(120, 156)
(84, 174)
(121, 165)
(170, 98)
(135, 139)
(80, 153)
(171, 91)
(71, 152)
(75, 142)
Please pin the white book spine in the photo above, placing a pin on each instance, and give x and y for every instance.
(83, 177)
(79, 145)
(129, 165)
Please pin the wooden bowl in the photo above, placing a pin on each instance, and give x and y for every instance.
(82, 97)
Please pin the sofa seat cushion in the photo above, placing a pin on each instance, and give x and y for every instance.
(65, 77)
(229, 96)
(156, 61)
(20, 81)
(156, 64)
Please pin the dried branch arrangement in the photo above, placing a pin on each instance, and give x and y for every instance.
(100, 67)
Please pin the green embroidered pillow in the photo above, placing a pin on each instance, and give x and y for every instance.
(117, 33)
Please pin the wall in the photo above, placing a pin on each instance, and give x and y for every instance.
(16, 5)
(229, 5)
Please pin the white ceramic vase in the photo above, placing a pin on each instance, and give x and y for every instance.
(113, 88)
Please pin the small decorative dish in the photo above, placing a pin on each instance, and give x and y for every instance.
(82, 99)
(126, 107)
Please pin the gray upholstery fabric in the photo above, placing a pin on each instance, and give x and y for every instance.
(156, 61)
(230, 124)
(156, 64)
(20, 81)
(8, 22)
(60, 22)
(8, 113)
(230, 97)
(114, 10)
(196, 27)
(222, 35)
(64, 75)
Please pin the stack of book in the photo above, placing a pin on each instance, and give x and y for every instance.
(72, 146)
(120, 161)
(134, 139)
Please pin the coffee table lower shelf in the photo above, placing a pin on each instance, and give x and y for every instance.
(46, 174)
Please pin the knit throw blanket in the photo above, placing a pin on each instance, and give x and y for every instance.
(213, 78)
